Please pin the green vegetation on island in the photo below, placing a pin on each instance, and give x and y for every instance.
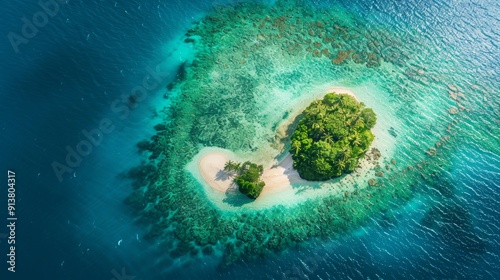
(247, 177)
(333, 134)
(222, 103)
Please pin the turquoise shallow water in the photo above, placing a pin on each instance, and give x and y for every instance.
(437, 221)
(255, 63)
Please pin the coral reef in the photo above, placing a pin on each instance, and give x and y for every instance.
(247, 55)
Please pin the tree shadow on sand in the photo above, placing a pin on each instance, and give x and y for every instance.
(285, 141)
(290, 173)
(233, 195)
(235, 198)
(221, 175)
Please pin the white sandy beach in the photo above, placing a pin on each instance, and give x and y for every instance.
(283, 184)
(211, 168)
(277, 178)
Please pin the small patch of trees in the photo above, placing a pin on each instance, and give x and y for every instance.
(247, 177)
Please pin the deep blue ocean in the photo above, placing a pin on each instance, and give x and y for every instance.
(65, 79)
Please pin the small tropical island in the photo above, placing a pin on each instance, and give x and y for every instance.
(331, 136)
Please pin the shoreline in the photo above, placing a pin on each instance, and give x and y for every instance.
(282, 181)
(211, 167)
(318, 92)
(277, 178)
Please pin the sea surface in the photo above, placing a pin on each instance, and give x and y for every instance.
(80, 67)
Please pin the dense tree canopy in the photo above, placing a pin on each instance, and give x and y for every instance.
(333, 134)
(247, 177)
